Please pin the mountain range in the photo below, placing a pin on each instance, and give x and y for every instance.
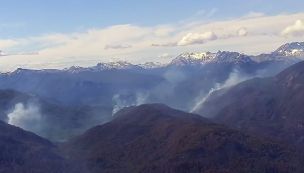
(246, 116)
(108, 79)
(95, 93)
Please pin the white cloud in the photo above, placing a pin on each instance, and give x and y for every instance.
(297, 29)
(242, 32)
(165, 55)
(117, 46)
(197, 38)
(5, 44)
(140, 44)
(164, 31)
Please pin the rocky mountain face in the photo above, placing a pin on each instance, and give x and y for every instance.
(156, 138)
(270, 107)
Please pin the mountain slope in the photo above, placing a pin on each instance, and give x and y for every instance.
(156, 138)
(22, 151)
(53, 121)
(270, 107)
(84, 87)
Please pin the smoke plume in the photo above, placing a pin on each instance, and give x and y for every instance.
(24, 116)
(125, 100)
(162, 92)
(234, 78)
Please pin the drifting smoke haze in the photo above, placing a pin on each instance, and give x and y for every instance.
(234, 78)
(165, 91)
(181, 88)
(24, 116)
(160, 93)
(121, 101)
(174, 76)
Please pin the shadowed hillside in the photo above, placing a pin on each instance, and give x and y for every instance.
(270, 107)
(156, 138)
(23, 152)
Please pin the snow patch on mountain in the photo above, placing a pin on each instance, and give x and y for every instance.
(193, 58)
(295, 49)
(200, 58)
(289, 53)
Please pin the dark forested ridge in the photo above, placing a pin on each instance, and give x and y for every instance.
(269, 107)
(22, 151)
(156, 138)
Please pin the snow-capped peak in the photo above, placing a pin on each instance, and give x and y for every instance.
(291, 49)
(231, 57)
(208, 57)
(193, 58)
(118, 65)
(115, 65)
(197, 55)
(150, 65)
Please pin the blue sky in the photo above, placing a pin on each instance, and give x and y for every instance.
(61, 33)
(32, 17)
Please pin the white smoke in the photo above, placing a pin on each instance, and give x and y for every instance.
(174, 76)
(235, 77)
(160, 92)
(27, 117)
(141, 98)
(121, 101)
